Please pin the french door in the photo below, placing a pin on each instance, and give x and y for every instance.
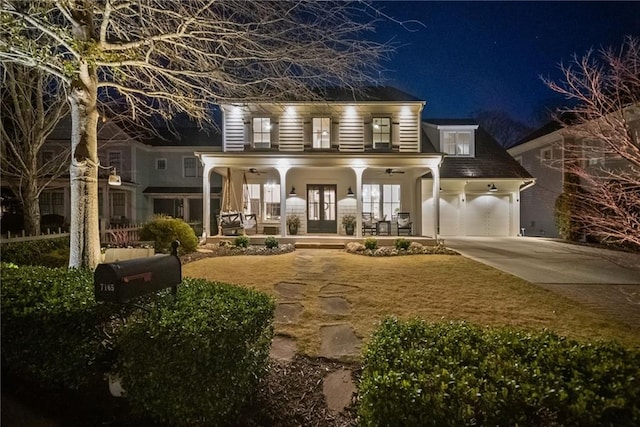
(321, 208)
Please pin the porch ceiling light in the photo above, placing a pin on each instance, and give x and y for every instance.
(114, 178)
(492, 187)
(292, 193)
(350, 192)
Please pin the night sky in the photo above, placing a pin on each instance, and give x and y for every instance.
(481, 55)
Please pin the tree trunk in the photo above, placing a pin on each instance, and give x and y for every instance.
(31, 206)
(84, 227)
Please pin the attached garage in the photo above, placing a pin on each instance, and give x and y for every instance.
(449, 214)
(487, 215)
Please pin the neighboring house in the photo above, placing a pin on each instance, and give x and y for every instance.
(542, 154)
(360, 154)
(157, 177)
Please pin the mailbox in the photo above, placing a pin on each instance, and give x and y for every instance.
(124, 280)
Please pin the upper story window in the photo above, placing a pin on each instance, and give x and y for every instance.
(321, 132)
(161, 164)
(546, 155)
(457, 143)
(115, 160)
(261, 132)
(381, 132)
(191, 167)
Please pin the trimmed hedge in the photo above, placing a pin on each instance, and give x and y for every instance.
(197, 360)
(50, 329)
(44, 252)
(450, 374)
(163, 230)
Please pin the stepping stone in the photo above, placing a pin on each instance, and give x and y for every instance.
(288, 312)
(290, 290)
(338, 389)
(337, 341)
(283, 348)
(335, 305)
(336, 288)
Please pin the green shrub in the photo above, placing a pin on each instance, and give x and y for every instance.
(241, 241)
(271, 242)
(164, 230)
(50, 327)
(197, 361)
(401, 243)
(451, 374)
(371, 243)
(47, 252)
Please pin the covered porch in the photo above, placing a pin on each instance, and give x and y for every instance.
(324, 242)
(320, 189)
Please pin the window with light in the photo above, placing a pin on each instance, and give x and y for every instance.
(457, 143)
(272, 201)
(321, 132)
(261, 132)
(382, 200)
(381, 132)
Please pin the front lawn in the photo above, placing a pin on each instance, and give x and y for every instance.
(431, 287)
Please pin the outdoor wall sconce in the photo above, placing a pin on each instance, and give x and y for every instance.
(350, 193)
(114, 178)
(292, 193)
(492, 187)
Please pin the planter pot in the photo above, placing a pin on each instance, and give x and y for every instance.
(293, 229)
(350, 229)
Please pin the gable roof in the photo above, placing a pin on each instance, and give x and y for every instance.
(451, 122)
(490, 161)
(366, 94)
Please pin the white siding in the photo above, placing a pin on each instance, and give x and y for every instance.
(351, 131)
(233, 132)
(291, 133)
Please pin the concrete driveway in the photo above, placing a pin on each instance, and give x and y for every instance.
(607, 281)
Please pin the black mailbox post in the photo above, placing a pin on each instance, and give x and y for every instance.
(124, 280)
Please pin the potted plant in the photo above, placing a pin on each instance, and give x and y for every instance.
(293, 223)
(349, 224)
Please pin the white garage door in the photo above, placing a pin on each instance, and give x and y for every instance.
(449, 215)
(487, 215)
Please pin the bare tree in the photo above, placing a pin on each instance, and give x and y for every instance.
(167, 57)
(602, 141)
(500, 125)
(32, 104)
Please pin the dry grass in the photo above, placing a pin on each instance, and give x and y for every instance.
(432, 287)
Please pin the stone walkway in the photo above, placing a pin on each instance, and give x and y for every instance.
(338, 339)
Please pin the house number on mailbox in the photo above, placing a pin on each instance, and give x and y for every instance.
(107, 287)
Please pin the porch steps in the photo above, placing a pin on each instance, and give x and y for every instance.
(319, 245)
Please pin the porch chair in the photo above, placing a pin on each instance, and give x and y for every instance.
(369, 223)
(404, 223)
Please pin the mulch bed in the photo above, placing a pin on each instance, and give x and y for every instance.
(290, 395)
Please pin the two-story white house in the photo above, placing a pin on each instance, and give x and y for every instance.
(367, 154)
(362, 154)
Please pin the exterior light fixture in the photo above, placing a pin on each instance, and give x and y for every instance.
(492, 187)
(114, 178)
(350, 192)
(292, 193)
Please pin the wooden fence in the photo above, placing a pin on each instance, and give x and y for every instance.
(117, 235)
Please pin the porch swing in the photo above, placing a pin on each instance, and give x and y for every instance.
(231, 220)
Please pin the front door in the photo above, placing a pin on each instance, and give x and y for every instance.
(321, 209)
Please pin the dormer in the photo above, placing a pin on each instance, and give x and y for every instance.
(455, 138)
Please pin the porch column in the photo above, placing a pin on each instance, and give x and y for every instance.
(282, 170)
(358, 171)
(435, 172)
(206, 199)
